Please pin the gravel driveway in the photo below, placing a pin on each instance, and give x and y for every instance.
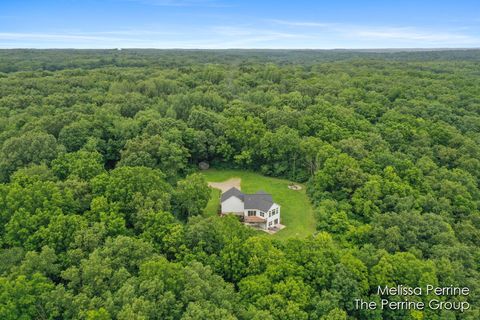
(227, 184)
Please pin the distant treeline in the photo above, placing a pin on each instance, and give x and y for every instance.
(12, 60)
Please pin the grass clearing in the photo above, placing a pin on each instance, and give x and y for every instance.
(296, 210)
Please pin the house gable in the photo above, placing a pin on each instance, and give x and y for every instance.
(232, 192)
(233, 205)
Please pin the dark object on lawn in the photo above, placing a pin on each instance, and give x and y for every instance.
(203, 165)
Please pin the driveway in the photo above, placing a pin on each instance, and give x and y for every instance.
(227, 184)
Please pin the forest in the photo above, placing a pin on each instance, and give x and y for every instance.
(102, 202)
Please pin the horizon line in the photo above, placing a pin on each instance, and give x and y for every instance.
(253, 48)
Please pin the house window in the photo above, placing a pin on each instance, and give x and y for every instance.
(270, 223)
(262, 214)
(276, 221)
(269, 213)
(251, 213)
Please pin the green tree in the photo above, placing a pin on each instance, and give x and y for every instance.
(29, 148)
(155, 152)
(82, 164)
(191, 196)
(133, 189)
(340, 176)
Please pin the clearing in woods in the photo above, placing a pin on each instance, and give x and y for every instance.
(296, 213)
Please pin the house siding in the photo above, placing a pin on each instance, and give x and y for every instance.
(233, 205)
(236, 206)
(274, 216)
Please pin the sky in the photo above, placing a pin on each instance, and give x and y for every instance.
(221, 24)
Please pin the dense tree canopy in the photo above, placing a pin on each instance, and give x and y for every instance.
(102, 207)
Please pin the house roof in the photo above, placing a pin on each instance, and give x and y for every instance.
(259, 201)
(264, 195)
(232, 192)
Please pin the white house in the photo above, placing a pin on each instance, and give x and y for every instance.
(256, 209)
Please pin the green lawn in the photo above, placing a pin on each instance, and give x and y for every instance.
(296, 211)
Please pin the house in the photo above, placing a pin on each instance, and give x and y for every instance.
(256, 209)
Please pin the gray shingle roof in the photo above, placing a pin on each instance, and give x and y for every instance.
(265, 194)
(232, 192)
(259, 201)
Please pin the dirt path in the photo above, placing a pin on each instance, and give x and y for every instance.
(227, 184)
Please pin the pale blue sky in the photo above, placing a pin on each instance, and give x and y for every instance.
(217, 24)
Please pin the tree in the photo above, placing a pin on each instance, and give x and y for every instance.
(206, 311)
(28, 208)
(25, 298)
(191, 196)
(155, 152)
(165, 232)
(82, 164)
(132, 190)
(244, 136)
(309, 148)
(340, 175)
(75, 135)
(281, 152)
(29, 148)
